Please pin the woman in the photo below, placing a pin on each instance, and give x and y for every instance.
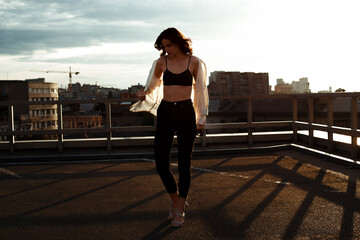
(176, 93)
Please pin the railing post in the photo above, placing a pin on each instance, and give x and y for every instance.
(354, 151)
(203, 138)
(330, 123)
(311, 120)
(108, 125)
(249, 120)
(11, 129)
(295, 118)
(60, 127)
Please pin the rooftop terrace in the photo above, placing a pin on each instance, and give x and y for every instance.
(268, 184)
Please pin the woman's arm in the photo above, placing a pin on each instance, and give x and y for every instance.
(153, 81)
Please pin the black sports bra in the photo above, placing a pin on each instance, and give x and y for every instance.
(181, 79)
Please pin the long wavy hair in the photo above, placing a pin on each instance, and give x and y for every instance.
(176, 37)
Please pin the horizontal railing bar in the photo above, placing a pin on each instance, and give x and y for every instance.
(133, 129)
(212, 126)
(208, 126)
(65, 102)
(142, 128)
(132, 100)
(290, 96)
(55, 131)
(246, 125)
(325, 128)
(29, 132)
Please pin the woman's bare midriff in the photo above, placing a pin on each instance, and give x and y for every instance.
(177, 93)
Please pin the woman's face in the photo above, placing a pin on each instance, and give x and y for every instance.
(169, 47)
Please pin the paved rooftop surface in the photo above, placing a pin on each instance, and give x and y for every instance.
(283, 194)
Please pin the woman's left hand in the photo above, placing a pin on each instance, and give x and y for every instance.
(141, 95)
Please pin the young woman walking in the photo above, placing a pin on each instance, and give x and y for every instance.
(176, 93)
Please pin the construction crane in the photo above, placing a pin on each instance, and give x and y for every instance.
(50, 71)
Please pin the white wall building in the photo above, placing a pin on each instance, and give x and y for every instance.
(301, 86)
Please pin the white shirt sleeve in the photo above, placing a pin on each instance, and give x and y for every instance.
(154, 96)
(201, 96)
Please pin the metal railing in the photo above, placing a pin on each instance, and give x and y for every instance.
(249, 137)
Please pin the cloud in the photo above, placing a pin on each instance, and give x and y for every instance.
(120, 53)
(31, 25)
(27, 41)
(28, 26)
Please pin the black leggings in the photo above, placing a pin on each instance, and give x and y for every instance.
(174, 117)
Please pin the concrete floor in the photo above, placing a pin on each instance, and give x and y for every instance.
(277, 195)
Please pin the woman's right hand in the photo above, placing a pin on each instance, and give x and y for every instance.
(141, 95)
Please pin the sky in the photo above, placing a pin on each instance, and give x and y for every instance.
(111, 42)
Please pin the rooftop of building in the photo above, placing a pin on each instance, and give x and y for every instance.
(272, 193)
(245, 185)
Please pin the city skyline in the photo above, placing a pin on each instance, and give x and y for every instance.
(111, 43)
(271, 88)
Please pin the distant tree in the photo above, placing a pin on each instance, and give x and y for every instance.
(110, 94)
(340, 90)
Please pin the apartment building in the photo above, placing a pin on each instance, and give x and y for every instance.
(301, 86)
(29, 117)
(282, 87)
(222, 83)
(42, 116)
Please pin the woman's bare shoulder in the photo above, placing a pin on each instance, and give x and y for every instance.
(195, 61)
(161, 59)
(195, 58)
(160, 62)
